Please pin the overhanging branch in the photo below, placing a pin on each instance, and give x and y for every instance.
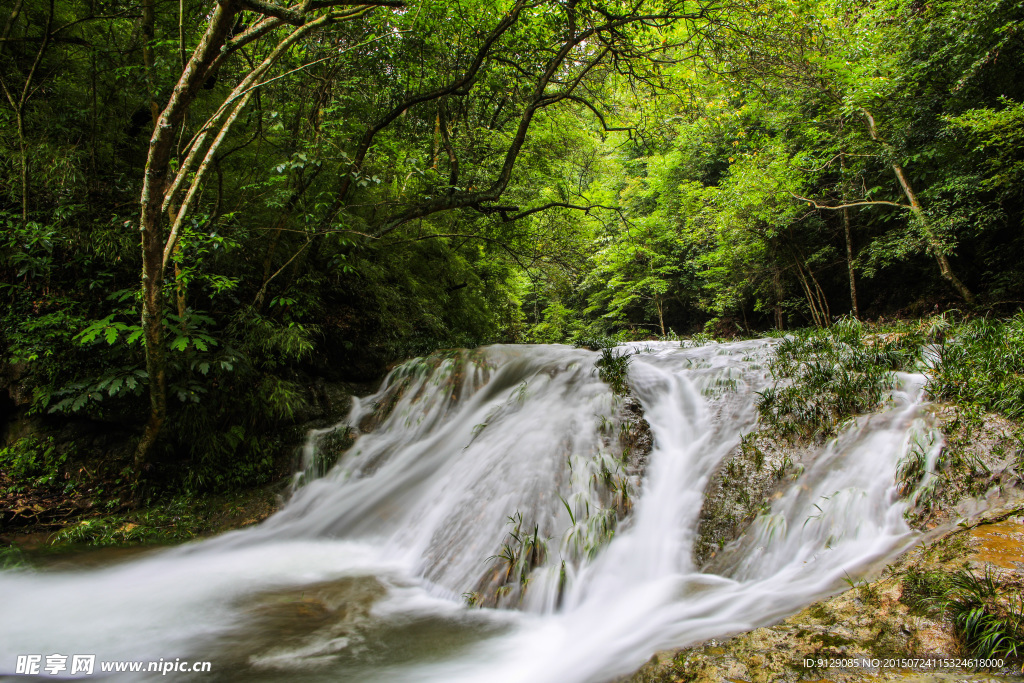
(850, 205)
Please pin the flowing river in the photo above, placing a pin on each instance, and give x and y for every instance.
(486, 526)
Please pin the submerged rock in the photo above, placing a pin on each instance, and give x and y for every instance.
(743, 486)
(635, 436)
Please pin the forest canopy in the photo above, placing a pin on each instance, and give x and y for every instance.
(206, 203)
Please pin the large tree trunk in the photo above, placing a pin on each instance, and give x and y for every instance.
(161, 146)
(158, 194)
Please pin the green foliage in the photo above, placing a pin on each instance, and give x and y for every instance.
(12, 558)
(676, 195)
(825, 376)
(988, 619)
(172, 523)
(981, 362)
(613, 369)
(999, 135)
(34, 462)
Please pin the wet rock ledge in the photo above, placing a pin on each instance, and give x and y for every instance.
(971, 558)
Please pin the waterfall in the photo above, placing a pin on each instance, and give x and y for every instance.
(486, 525)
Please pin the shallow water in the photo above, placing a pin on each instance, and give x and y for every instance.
(365, 574)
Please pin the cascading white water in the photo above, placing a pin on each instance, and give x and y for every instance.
(494, 476)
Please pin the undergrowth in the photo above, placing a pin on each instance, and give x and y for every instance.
(981, 362)
(174, 522)
(823, 376)
(33, 462)
(988, 621)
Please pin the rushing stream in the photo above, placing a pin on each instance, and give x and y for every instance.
(494, 477)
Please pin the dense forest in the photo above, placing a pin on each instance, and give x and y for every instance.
(206, 204)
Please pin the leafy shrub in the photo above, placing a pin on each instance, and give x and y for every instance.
(34, 462)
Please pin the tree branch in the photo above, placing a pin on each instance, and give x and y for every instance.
(598, 114)
(850, 205)
(564, 205)
(285, 14)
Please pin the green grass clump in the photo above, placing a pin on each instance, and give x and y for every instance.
(912, 472)
(921, 590)
(521, 551)
(594, 342)
(989, 627)
(824, 376)
(982, 362)
(11, 558)
(612, 368)
(697, 340)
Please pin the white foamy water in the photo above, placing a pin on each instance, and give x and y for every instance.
(495, 476)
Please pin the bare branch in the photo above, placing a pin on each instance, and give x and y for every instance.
(564, 205)
(598, 114)
(850, 205)
(285, 14)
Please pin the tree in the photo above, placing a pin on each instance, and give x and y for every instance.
(215, 46)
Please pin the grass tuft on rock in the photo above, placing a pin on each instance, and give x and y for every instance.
(981, 362)
(824, 376)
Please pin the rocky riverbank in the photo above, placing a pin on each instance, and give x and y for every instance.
(957, 593)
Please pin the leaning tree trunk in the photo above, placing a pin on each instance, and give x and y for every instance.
(945, 269)
(161, 146)
(159, 195)
(944, 266)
